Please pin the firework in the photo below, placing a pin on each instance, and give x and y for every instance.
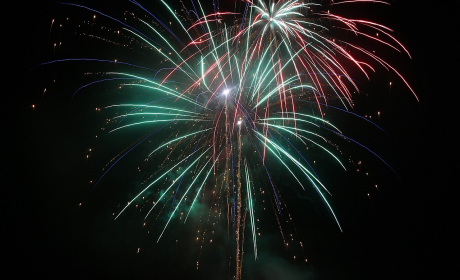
(224, 102)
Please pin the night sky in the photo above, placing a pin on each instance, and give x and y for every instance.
(404, 231)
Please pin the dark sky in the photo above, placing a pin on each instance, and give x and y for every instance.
(404, 231)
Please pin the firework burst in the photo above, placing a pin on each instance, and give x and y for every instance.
(224, 101)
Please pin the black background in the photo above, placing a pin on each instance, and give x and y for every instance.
(409, 235)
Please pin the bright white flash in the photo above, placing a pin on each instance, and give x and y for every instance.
(239, 122)
(226, 91)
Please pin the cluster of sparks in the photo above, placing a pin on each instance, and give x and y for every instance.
(228, 102)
